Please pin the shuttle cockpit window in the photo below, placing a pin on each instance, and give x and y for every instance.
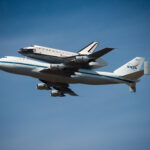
(26, 50)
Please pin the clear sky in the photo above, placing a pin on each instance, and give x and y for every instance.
(102, 117)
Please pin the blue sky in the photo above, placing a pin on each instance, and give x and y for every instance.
(102, 117)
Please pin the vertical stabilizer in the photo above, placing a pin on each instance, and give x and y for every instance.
(132, 66)
(89, 48)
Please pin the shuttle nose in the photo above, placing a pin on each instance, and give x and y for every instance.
(20, 50)
(25, 51)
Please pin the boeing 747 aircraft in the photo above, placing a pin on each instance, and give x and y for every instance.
(74, 69)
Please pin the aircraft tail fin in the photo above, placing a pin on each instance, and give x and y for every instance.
(89, 48)
(132, 68)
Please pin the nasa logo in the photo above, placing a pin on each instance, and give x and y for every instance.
(133, 67)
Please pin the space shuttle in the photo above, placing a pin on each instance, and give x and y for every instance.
(58, 56)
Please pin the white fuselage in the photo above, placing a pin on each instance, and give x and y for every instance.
(33, 68)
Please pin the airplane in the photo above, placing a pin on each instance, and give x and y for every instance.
(57, 56)
(74, 69)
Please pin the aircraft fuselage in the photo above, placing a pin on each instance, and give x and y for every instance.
(33, 68)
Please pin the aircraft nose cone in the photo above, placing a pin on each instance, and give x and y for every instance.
(25, 51)
(20, 50)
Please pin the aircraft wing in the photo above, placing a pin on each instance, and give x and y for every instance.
(68, 68)
(82, 61)
(62, 88)
(64, 72)
(65, 90)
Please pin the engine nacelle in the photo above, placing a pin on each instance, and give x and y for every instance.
(57, 66)
(81, 59)
(97, 63)
(55, 93)
(42, 86)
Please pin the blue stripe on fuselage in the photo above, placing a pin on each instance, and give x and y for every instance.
(23, 64)
(130, 81)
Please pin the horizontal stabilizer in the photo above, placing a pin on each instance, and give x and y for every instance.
(100, 53)
(135, 75)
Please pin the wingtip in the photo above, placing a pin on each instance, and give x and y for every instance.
(110, 48)
(74, 94)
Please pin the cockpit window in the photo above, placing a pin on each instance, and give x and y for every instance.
(26, 50)
(30, 50)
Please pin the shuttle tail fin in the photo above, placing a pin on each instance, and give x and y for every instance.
(89, 48)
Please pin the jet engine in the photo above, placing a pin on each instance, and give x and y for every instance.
(81, 59)
(42, 86)
(98, 63)
(56, 93)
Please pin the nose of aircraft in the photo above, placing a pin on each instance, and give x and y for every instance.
(25, 51)
(1, 63)
(21, 50)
